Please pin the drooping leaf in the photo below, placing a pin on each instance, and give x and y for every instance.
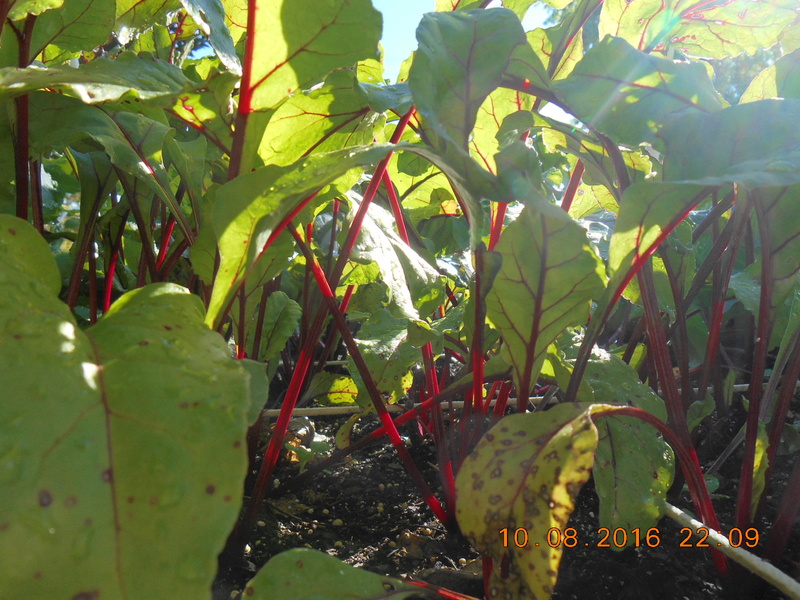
(210, 15)
(249, 208)
(383, 341)
(525, 473)
(548, 276)
(103, 80)
(305, 574)
(116, 442)
(697, 28)
(748, 143)
(633, 471)
(414, 286)
(628, 94)
(132, 141)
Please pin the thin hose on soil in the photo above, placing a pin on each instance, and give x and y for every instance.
(751, 562)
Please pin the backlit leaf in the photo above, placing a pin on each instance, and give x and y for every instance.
(698, 28)
(548, 276)
(628, 94)
(296, 43)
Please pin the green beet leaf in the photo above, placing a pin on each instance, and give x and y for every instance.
(133, 142)
(628, 94)
(319, 120)
(779, 80)
(295, 44)
(697, 28)
(122, 446)
(103, 80)
(248, 209)
(19, 9)
(750, 144)
(305, 574)
(548, 276)
(449, 92)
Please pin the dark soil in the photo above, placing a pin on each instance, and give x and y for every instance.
(367, 513)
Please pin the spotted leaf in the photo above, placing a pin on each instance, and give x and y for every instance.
(525, 473)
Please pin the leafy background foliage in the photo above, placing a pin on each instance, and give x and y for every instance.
(188, 237)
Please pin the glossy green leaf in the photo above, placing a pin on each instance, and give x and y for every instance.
(526, 63)
(296, 43)
(628, 94)
(249, 208)
(305, 574)
(210, 15)
(122, 446)
(548, 277)
(697, 28)
(525, 473)
(779, 80)
(749, 144)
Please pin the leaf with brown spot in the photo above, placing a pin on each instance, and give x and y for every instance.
(536, 477)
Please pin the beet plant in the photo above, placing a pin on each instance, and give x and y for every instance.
(203, 202)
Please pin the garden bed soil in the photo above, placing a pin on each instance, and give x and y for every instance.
(367, 513)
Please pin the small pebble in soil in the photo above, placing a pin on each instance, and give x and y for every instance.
(261, 523)
(310, 511)
(337, 523)
(462, 562)
(325, 511)
(310, 532)
(392, 544)
(276, 483)
(381, 487)
(338, 544)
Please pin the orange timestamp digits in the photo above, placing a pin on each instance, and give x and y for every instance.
(620, 538)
